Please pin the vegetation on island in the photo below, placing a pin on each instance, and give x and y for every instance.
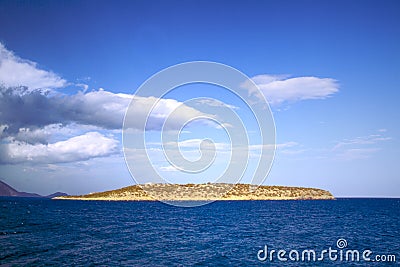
(208, 191)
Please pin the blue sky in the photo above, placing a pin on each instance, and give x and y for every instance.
(346, 140)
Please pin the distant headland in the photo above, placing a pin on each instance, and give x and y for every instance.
(8, 191)
(205, 192)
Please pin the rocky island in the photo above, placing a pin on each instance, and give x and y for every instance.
(205, 192)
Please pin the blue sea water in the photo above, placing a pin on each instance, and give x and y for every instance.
(39, 232)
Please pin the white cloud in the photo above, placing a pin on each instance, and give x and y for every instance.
(84, 87)
(357, 153)
(271, 146)
(176, 112)
(362, 140)
(287, 148)
(290, 148)
(78, 148)
(169, 168)
(286, 145)
(15, 71)
(197, 143)
(279, 89)
(215, 103)
(361, 147)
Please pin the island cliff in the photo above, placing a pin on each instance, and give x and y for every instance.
(205, 192)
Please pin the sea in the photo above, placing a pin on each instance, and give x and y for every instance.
(45, 232)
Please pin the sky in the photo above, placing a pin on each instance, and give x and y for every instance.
(328, 69)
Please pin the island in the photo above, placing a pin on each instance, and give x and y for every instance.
(205, 192)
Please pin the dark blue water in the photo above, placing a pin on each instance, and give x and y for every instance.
(49, 232)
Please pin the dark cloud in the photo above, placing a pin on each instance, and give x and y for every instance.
(22, 108)
(29, 118)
